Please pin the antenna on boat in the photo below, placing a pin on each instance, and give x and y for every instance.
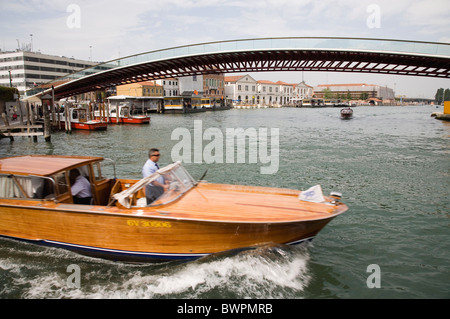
(204, 174)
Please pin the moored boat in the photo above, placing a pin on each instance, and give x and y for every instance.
(79, 119)
(123, 117)
(190, 220)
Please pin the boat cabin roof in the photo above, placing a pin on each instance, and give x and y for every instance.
(43, 165)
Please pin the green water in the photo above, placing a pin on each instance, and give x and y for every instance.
(392, 165)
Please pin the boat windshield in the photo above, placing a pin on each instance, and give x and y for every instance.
(179, 181)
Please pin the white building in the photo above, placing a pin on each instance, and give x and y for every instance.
(241, 89)
(170, 86)
(190, 85)
(303, 91)
(269, 93)
(355, 91)
(26, 70)
(287, 92)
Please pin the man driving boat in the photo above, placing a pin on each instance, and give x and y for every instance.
(156, 188)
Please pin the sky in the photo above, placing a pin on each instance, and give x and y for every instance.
(102, 30)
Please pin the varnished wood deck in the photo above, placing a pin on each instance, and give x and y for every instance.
(244, 204)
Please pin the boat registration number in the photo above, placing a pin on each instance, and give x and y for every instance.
(147, 223)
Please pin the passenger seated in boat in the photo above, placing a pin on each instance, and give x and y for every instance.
(81, 188)
(159, 186)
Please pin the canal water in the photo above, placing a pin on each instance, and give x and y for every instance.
(392, 165)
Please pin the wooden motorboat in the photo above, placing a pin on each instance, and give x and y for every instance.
(190, 220)
(79, 119)
(346, 113)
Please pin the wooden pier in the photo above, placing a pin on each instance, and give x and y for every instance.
(21, 130)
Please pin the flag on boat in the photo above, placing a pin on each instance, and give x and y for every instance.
(313, 194)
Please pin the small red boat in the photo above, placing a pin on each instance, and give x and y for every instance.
(79, 120)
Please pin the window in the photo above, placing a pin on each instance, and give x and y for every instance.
(98, 172)
(15, 187)
(61, 183)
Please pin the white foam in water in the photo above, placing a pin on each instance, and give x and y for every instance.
(248, 274)
(261, 273)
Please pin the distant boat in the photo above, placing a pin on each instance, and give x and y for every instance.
(189, 220)
(346, 113)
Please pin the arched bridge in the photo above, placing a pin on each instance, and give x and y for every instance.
(430, 59)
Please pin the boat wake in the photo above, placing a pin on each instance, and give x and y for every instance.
(264, 272)
(273, 271)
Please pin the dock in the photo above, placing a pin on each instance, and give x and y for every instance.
(441, 116)
(21, 130)
(445, 116)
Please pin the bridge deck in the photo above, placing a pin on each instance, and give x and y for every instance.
(381, 56)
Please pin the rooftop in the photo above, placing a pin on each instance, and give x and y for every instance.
(233, 78)
(350, 84)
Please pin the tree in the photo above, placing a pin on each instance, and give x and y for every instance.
(439, 96)
(447, 95)
(327, 94)
(349, 96)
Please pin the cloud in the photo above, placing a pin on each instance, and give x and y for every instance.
(430, 17)
(135, 26)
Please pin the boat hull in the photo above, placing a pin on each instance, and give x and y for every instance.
(125, 237)
(89, 126)
(130, 120)
(346, 114)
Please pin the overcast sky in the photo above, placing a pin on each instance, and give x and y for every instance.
(104, 30)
